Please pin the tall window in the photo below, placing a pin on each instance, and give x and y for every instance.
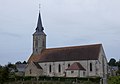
(50, 68)
(30, 71)
(59, 68)
(90, 66)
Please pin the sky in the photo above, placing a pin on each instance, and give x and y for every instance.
(66, 23)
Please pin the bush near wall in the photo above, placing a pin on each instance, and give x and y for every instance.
(65, 80)
(114, 80)
(93, 79)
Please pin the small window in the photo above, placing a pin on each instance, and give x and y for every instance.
(83, 73)
(90, 66)
(68, 65)
(72, 72)
(30, 71)
(50, 68)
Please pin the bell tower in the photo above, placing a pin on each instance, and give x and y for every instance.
(39, 37)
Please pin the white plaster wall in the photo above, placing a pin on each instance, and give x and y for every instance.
(76, 73)
(81, 73)
(102, 64)
(64, 66)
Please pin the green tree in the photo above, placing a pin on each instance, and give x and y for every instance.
(11, 66)
(114, 80)
(112, 62)
(4, 74)
(24, 62)
(19, 62)
(118, 64)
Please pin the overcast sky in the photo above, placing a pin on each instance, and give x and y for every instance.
(66, 23)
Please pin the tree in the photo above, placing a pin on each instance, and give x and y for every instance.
(11, 65)
(112, 62)
(0, 66)
(4, 74)
(114, 80)
(19, 62)
(24, 62)
(118, 64)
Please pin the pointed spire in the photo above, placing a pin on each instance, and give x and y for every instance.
(39, 24)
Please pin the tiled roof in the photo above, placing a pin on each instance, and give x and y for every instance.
(86, 52)
(76, 66)
(34, 58)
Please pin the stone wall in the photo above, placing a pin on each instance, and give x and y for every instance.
(32, 70)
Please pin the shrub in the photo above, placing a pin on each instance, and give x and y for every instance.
(87, 82)
(114, 80)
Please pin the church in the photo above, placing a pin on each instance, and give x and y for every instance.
(73, 61)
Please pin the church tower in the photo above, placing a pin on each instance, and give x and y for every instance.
(39, 37)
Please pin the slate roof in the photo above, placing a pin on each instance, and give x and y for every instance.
(74, 53)
(39, 24)
(34, 58)
(21, 67)
(76, 66)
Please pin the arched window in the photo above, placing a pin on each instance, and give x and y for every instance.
(59, 68)
(50, 68)
(90, 66)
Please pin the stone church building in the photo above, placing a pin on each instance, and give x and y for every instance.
(73, 61)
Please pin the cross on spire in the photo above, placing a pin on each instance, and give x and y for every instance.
(39, 6)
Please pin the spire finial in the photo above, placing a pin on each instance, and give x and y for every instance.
(39, 7)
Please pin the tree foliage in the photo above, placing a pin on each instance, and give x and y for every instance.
(112, 62)
(19, 62)
(4, 74)
(24, 62)
(114, 80)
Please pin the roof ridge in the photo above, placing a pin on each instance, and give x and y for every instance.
(73, 46)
